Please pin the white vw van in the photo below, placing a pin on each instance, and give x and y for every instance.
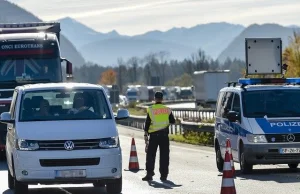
(62, 133)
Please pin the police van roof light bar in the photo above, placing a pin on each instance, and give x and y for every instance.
(253, 81)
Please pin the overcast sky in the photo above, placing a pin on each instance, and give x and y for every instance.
(138, 16)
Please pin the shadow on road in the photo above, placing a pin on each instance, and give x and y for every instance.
(64, 190)
(165, 184)
(283, 175)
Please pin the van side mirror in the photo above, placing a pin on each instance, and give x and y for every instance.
(232, 116)
(122, 114)
(6, 118)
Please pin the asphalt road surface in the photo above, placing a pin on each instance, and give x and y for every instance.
(192, 171)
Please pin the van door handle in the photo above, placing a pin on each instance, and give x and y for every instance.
(9, 128)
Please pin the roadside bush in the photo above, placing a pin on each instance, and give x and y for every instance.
(196, 138)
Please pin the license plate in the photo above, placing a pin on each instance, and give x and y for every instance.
(290, 150)
(70, 173)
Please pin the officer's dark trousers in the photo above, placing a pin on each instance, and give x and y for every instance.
(161, 140)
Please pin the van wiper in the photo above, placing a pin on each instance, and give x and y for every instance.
(291, 112)
(265, 113)
(36, 80)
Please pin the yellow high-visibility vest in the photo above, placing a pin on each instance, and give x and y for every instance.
(159, 115)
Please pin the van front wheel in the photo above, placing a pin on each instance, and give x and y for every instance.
(10, 180)
(20, 188)
(245, 167)
(114, 187)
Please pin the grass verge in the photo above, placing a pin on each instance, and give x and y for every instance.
(195, 138)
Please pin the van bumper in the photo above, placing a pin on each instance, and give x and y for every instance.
(30, 166)
(269, 153)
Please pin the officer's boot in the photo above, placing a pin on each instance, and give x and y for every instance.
(148, 177)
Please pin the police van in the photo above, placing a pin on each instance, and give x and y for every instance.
(261, 117)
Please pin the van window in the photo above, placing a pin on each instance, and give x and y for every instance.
(226, 104)
(271, 103)
(219, 105)
(77, 104)
(236, 105)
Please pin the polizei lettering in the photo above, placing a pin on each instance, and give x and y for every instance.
(285, 124)
(21, 46)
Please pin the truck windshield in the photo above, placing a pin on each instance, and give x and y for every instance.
(22, 69)
(272, 103)
(132, 94)
(53, 105)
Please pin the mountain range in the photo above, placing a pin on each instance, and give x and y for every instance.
(12, 13)
(218, 40)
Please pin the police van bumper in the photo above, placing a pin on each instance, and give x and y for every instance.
(270, 153)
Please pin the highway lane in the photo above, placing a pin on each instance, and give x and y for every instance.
(192, 171)
(182, 105)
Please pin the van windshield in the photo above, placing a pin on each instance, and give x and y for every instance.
(52, 105)
(272, 103)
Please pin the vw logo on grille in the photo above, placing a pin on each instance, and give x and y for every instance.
(69, 145)
(290, 137)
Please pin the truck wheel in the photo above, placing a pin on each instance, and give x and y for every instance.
(20, 188)
(245, 167)
(10, 180)
(293, 166)
(219, 159)
(114, 187)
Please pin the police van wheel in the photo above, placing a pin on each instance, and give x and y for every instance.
(293, 166)
(245, 167)
(219, 159)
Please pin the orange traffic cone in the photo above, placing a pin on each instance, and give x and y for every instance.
(228, 148)
(228, 186)
(133, 160)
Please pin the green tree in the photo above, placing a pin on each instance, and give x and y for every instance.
(291, 56)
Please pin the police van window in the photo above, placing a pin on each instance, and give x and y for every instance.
(236, 105)
(220, 99)
(226, 106)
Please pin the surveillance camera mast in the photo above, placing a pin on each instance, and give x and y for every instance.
(29, 53)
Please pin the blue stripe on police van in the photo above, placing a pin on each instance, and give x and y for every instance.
(278, 126)
(231, 128)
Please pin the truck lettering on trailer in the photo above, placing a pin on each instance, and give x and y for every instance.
(21, 46)
(285, 124)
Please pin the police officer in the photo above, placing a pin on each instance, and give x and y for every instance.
(159, 117)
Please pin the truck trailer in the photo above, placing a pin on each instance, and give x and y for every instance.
(207, 85)
(29, 53)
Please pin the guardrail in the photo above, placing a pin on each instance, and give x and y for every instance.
(186, 113)
(178, 128)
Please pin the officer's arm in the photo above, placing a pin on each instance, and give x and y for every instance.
(171, 118)
(147, 123)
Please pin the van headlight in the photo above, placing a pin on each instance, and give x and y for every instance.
(111, 142)
(256, 138)
(27, 145)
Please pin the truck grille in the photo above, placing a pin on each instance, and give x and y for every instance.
(78, 144)
(281, 138)
(70, 162)
(6, 94)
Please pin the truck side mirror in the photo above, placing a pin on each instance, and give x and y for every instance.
(69, 68)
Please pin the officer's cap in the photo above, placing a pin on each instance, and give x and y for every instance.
(159, 95)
